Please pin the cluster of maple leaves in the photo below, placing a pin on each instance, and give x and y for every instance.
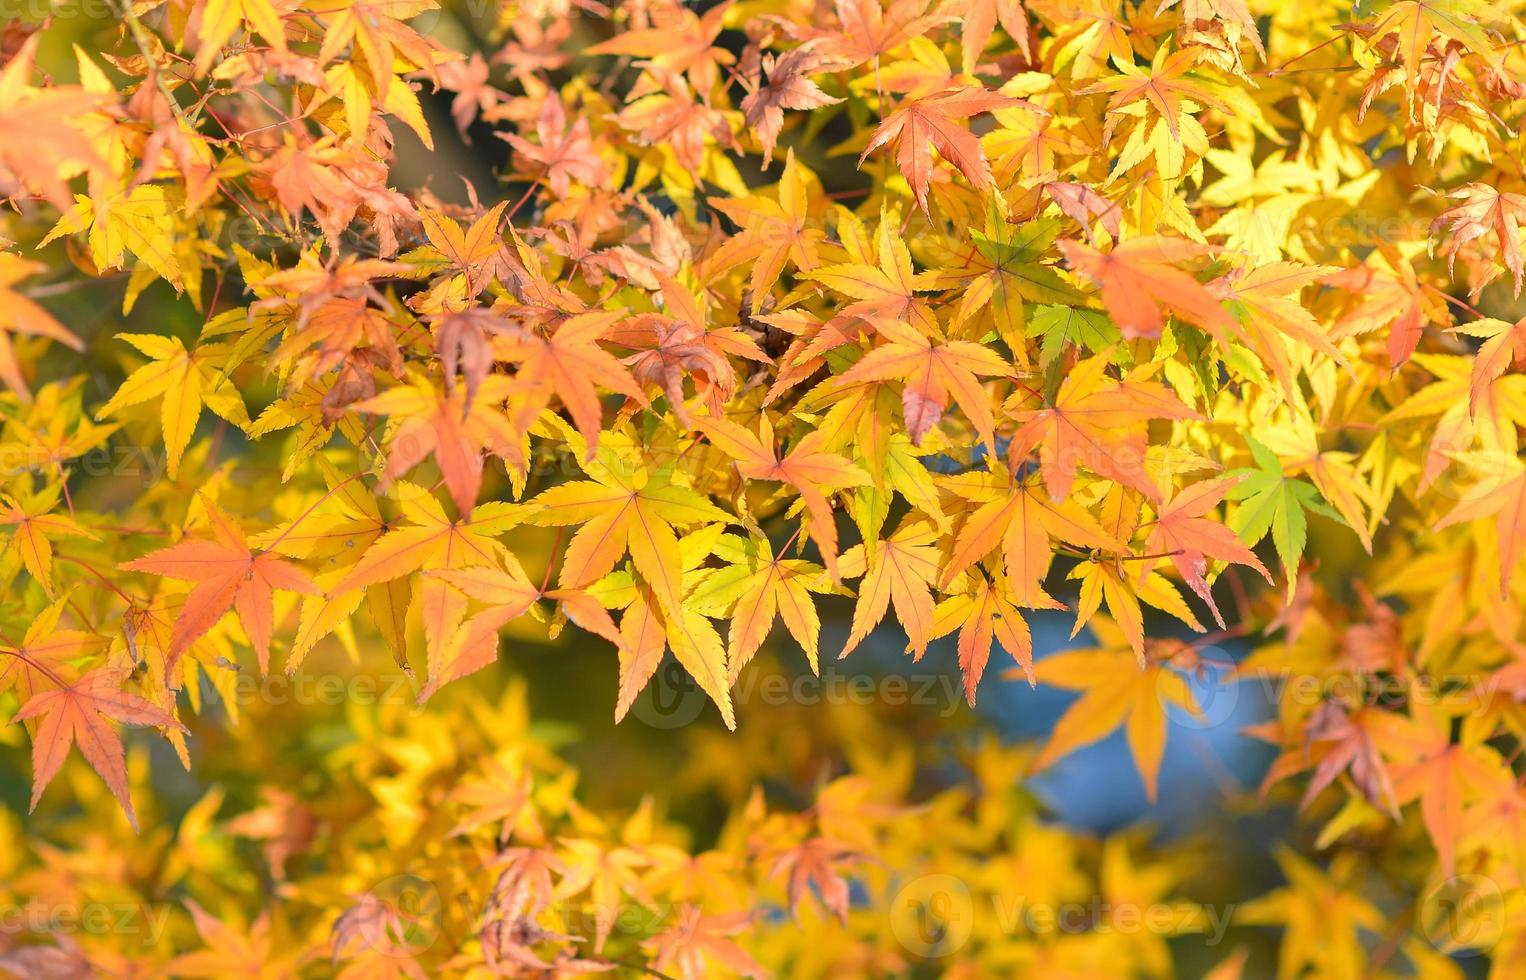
(1122, 305)
(431, 849)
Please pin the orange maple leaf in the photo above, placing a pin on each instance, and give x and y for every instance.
(934, 374)
(1191, 539)
(980, 616)
(1140, 276)
(440, 422)
(228, 575)
(809, 470)
(18, 314)
(77, 715)
(1486, 210)
(1098, 424)
(919, 124)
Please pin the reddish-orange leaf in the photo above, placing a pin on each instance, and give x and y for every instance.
(78, 715)
(1024, 524)
(1486, 210)
(228, 575)
(919, 124)
(810, 471)
(1141, 276)
(1098, 423)
(815, 868)
(934, 374)
(440, 423)
(1182, 531)
(508, 595)
(569, 363)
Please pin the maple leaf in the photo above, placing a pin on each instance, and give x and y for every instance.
(1024, 525)
(920, 124)
(54, 143)
(1502, 494)
(869, 31)
(508, 594)
(1272, 501)
(1504, 345)
(369, 936)
(625, 507)
(977, 21)
(934, 374)
(680, 41)
(1166, 87)
(228, 575)
(220, 19)
(696, 939)
(1125, 588)
(432, 540)
(78, 714)
(757, 587)
(474, 96)
(570, 364)
(41, 659)
(883, 291)
(376, 31)
(1391, 298)
(787, 88)
(1347, 738)
(1007, 267)
(1140, 276)
(1097, 424)
(18, 314)
(1485, 210)
(1075, 326)
(139, 221)
(1443, 775)
(187, 381)
(1182, 531)
(1413, 23)
(1115, 691)
(477, 253)
(564, 154)
(678, 343)
(32, 527)
(813, 868)
(773, 232)
(501, 795)
(1084, 205)
(233, 949)
(647, 629)
(1221, 22)
(899, 569)
(439, 422)
(982, 615)
(1321, 913)
(1267, 297)
(339, 531)
(812, 472)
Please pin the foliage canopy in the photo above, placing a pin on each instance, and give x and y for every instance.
(670, 327)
